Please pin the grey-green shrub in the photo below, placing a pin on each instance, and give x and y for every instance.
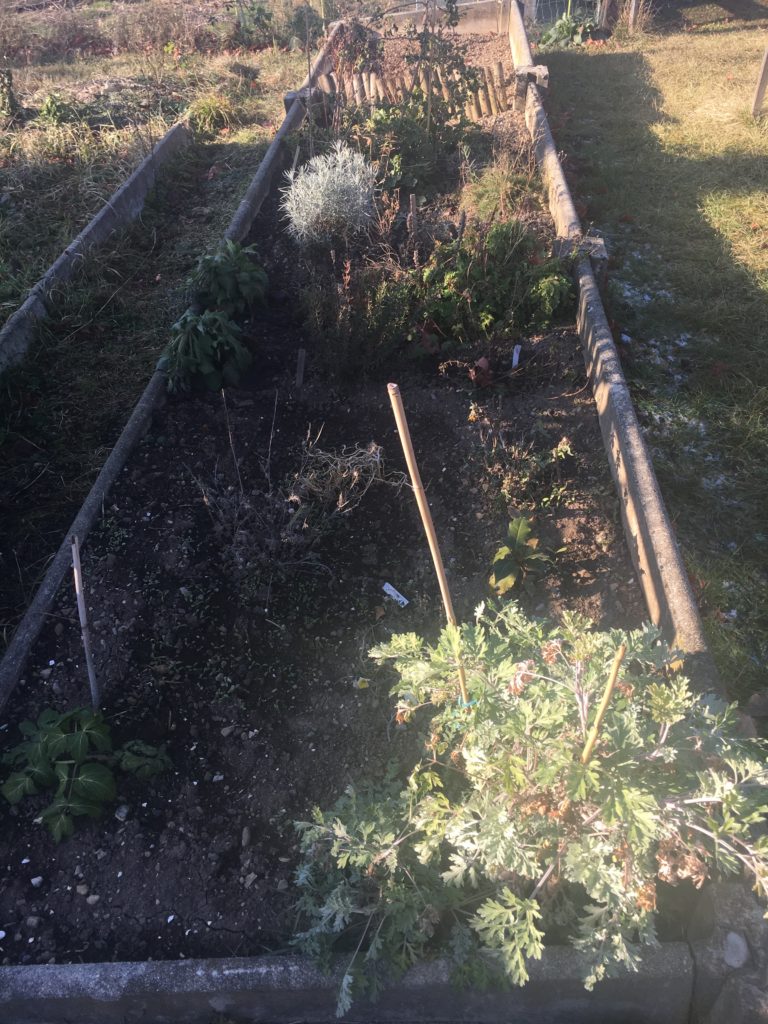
(330, 198)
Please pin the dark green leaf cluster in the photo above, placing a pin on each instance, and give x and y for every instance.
(571, 29)
(229, 280)
(492, 279)
(205, 346)
(509, 829)
(71, 753)
(518, 557)
(409, 153)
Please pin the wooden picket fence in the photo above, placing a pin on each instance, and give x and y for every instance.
(367, 88)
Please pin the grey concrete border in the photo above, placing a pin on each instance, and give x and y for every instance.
(28, 630)
(121, 209)
(648, 530)
(286, 990)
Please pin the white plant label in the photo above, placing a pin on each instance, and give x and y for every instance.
(396, 596)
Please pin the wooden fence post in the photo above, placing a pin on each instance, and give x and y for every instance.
(762, 84)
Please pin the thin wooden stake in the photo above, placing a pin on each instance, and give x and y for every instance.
(83, 613)
(426, 518)
(357, 87)
(485, 99)
(477, 110)
(762, 84)
(589, 746)
(301, 362)
(502, 85)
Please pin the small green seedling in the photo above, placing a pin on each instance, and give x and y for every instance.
(71, 754)
(515, 559)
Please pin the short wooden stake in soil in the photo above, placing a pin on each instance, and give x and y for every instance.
(491, 86)
(426, 517)
(762, 84)
(301, 362)
(502, 85)
(83, 613)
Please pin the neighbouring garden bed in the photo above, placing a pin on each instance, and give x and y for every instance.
(235, 581)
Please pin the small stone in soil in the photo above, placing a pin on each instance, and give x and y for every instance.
(93, 900)
(245, 839)
(36, 882)
(82, 890)
(33, 922)
(122, 812)
(227, 731)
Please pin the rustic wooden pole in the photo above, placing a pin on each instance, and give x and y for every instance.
(495, 107)
(762, 84)
(502, 85)
(485, 99)
(85, 631)
(477, 110)
(357, 88)
(426, 517)
(634, 10)
(444, 88)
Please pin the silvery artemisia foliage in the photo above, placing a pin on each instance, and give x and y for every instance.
(330, 198)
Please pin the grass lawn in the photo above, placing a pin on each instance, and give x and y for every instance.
(664, 159)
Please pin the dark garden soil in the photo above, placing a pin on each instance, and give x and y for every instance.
(258, 681)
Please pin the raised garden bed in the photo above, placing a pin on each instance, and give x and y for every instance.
(228, 638)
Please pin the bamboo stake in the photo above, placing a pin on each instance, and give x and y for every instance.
(426, 517)
(589, 746)
(441, 78)
(502, 85)
(491, 86)
(366, 79)
(83, 613)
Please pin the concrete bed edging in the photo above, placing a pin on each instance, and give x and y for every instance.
(647, 527)
(123, 207)
(289, 989)
(30, 627)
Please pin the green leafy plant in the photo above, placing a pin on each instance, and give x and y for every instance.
(518, 557)
(571, 29)
(491, 280)
(229, 280)
(549, 807)
(71, 753)
(55, 110)
(396, 139)
(207, 347)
